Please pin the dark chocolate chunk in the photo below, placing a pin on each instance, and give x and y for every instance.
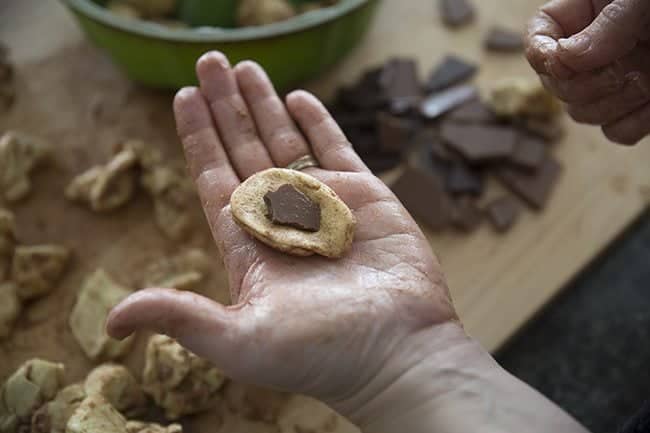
(535, 188)
(479, 143)
(466, 216)
(289, 207)
(504, 40)
(441, 103)
(456, 13)
(423, 156)
(364, 95)
(503, 213)
(394, 133)
(400, 84)
(422, 194)
(381, 162)
(530, 152)
(473, 112)
(461, 180)
(363, 142)
(550, 130)
(452, 70)
(365, 119)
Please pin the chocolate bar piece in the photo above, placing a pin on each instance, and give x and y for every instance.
(504, 40)
(400, 84)
(441, 103)
(534, 188)
(456, 13)
(289, 207)
(452, 70)
(479, 143)
(461, 180)
(530, 152)
(466, 215)
(381, 162)
(503, 213)
(551, 130)
(473, 112)
(394, 133)
(364, 95)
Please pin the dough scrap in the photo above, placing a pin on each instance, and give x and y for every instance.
(10, 308)
(303, 415)
(95, 414)
(143, 427)
(20, 154)
(123, 9)
(98, 294)
(337, 221)
(521, 97)
(183, 271)
(118, 386)
(179, 381)
(36, 269)
(261, 12)
(254, 403)
(53, 416)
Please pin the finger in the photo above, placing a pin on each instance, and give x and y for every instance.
(277, 129)
(587, 87)
(234, 122)
(614, 32)
(329, 144)
(630, 129)
(206, 158)
(634, 94)
(205, 327)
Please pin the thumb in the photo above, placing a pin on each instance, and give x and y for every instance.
(613, 34)
(206, 328)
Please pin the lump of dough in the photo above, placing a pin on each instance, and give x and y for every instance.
(53, 416)
(337, 222)
(94, 415)
(20, 154)
(37, 269)
(98, 294)
(10, 308)
(304, 415)
(521, 97)
(106, 187)
(143, 427)
(254, 403)
(183, 271)
(261, 12)
(123, 9)
(119, 387)
(34, 383)
(179, 381)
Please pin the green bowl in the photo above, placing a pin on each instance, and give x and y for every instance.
(291, 51)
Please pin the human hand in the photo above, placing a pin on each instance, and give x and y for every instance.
(311, 325)
(595, 56)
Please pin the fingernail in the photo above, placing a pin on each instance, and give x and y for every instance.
(577, 44)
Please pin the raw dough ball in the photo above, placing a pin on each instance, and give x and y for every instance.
(337, 221)
(254, 403)
(183, 271)
(118, 386)
(19, 155)
(37, 269)
(261, 12)
(179, 381)
(54, 415)
(305, 415)
(123, 9)
(95, 414)
(98, 294)
(108, 187)
(520, 97)
(9, 308)
(142, 427)
(34, 383)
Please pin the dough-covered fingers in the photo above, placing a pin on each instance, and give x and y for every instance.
(630, 129)
(587, 87)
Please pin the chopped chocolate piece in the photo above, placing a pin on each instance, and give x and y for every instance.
(394, 133)
(378, 163)
(452, 70)
(503, 213)
(479, 143)
(461, 180)
(441, 103)
(422, 194)
(400, 83)
(534, 188)
(434, 145)
(355, 119)
(289, 207)
(550, 130)
(504, 40)
(366, 94)
(473, 112)
(364, 143)
(466, 216)
(456, 13)
(530, 152)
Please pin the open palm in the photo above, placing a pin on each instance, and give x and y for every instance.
(311, 325)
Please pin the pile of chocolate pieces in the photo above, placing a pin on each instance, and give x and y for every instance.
(448, 141)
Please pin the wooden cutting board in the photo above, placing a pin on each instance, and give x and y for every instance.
(77, 100)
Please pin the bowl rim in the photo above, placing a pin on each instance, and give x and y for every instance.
(150, 29)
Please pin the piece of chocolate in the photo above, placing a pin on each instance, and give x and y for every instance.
(473, 112)
(452, 70)
(550, 130)
(534, 188)
(479, 143)
(366, 94)
(456, 13)
(289, 207)
(364, 119)
(381, 162)
(530, 152)
(423, 156)
(503, 213)
(394, 133)
(461, 180)
(400, 84)
(422, 194)
(441, 103)
(466, 216)
(363, 142)
(504, 40)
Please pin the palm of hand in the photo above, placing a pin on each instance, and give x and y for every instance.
(312, 325)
